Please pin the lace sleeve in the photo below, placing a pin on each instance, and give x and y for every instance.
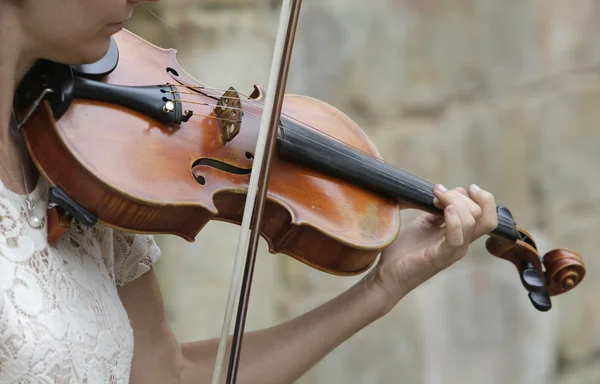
(134, 254)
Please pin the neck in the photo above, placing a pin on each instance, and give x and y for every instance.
(14, 64)
(15, 61)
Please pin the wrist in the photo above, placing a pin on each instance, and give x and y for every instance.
(377, 288)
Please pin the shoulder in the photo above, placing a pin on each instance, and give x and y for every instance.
(133, 254)
(126, 256)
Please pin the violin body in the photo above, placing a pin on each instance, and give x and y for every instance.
(137, 174)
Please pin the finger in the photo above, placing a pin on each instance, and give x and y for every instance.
(436, 202)
(437, 190)
(441, 188)
(458, 198)
(467, 211)
(489, 217)
(454, 227)
(475, 210)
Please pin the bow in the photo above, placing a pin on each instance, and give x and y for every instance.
(257, 190)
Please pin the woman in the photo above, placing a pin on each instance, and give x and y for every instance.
(90, 309)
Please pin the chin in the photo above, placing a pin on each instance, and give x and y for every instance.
(89, 52)
(95, 52)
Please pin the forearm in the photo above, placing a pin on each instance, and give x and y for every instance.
(283, 353)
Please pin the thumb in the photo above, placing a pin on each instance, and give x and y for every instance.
(433, 220)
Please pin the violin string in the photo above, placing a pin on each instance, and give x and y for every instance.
(280, 126)
(248, 100)
(383, 163)
(202, 93)
(257, 104)
(382, 166)
(291, 118)
(216, 118)
(215, 106)
(258, 117)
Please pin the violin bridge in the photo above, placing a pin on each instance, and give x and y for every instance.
(229, 115)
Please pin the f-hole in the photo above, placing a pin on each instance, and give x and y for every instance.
(172, 72)
(220, 166)
(174, 75)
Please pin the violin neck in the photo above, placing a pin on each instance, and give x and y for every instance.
(309, 148)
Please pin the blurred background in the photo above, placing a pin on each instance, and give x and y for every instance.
(503, 93)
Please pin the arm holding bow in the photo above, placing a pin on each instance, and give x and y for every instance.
(283, 353)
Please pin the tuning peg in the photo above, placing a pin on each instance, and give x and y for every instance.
(532, 279)
(540, 300)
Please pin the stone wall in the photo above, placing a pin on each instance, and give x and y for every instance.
(504, 93)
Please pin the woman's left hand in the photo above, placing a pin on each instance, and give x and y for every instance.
(430, 244)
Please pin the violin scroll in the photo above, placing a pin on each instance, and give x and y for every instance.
(559, 271)
(564, 270)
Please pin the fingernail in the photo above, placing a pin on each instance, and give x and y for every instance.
(475, 188)
(441, 188)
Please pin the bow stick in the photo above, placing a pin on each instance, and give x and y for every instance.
(257, 190)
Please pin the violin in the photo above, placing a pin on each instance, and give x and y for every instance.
(136, 143)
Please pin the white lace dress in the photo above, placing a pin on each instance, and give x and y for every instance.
(61, 320)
